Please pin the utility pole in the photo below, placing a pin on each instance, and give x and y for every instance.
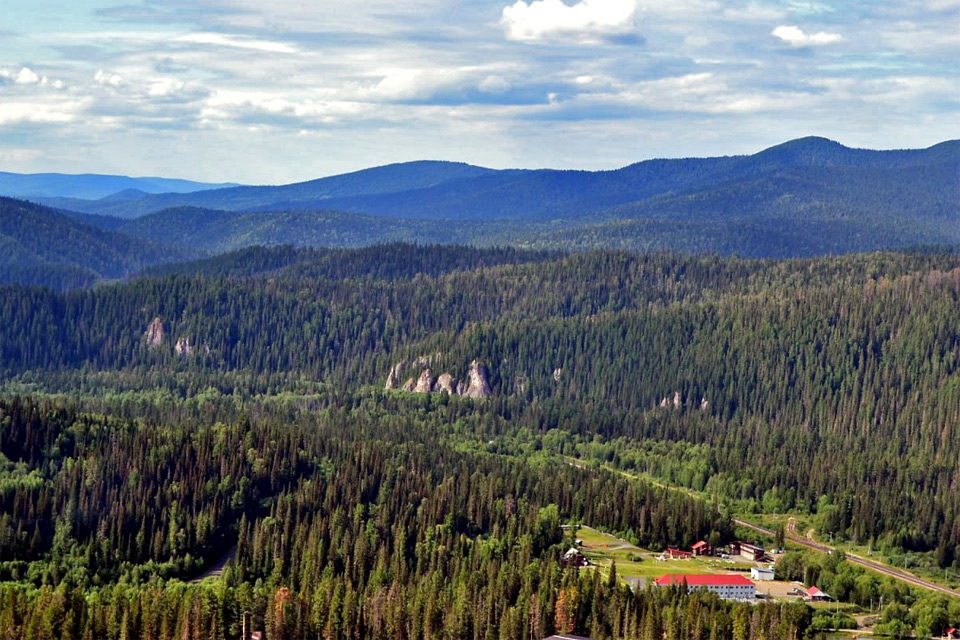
(243, 618)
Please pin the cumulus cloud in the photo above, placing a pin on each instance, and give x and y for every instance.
(795, 36)
(172, 89)
(39, 112)
(27, 76)
(108, 79)
(586, 21)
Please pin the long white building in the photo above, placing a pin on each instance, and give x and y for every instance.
(734, 587)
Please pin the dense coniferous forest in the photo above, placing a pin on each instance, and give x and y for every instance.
(238, 404)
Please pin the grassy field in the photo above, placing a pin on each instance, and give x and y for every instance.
(602, 550)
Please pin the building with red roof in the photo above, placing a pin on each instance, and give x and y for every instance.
(736, 586)
(702, 549)
(813, 593)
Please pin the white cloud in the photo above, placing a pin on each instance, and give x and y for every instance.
(237, 42)
(27, 76)
(810, 8)
(13, 112)
(795, 36)
(494, 84)
(587, 20)
(915, 38)
(108, 79)
(752, 12)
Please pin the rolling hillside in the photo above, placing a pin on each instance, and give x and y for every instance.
(388, 179)
(451, 191)
(39, 245)
(806, 197)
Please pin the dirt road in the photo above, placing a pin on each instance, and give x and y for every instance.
(217, 569)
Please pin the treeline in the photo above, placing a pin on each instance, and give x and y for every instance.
(767, 369)
(527, 603)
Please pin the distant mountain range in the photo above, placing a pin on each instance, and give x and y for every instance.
(806, 197)
(93, 186)
(453, 191)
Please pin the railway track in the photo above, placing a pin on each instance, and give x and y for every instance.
(810, 543)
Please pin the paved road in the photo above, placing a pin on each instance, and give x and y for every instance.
(793, 536)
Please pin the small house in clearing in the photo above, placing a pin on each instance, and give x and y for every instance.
(815, 595)
(677, 554)
(574, 559)
(702, 549)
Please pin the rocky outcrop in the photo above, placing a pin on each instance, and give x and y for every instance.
(155, 333)
(446, 384)
(520, 385)
(393, 379)
(675, 403)
(183, 348)
(478, 385)
(424, 382)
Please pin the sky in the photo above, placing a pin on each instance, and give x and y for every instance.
(279, 91)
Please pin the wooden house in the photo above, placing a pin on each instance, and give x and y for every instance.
(702, 549)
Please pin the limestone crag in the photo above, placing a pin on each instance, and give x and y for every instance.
(446, 383)
(476, 384)
(393, 379)
(676, 403)
(424, 382)
(183, 348)
(154, 333)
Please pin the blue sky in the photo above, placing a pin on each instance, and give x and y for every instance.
(288, 90)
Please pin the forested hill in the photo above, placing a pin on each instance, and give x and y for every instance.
(844, 365)
(240, 406)
(389, 179)
(42, 246)
(804, 198)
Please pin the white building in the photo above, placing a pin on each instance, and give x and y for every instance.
(761, 573)
(734, 587)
